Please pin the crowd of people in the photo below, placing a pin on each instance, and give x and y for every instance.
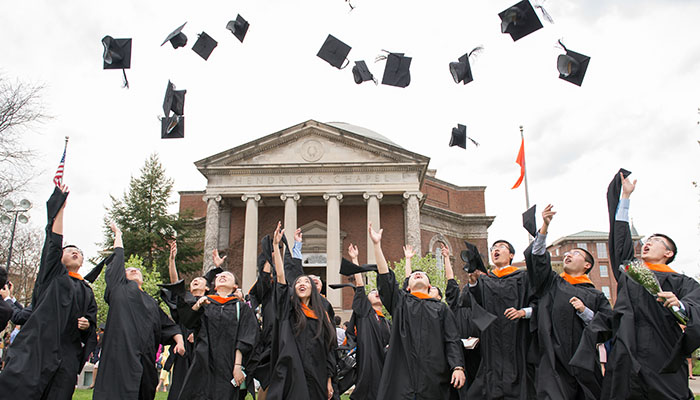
(507, 333)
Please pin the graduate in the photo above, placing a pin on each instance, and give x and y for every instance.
(504, 293)
(6, 305)
(424, 358)
(48, 353)
(135, 327)
(174, 295)
(302, 353)
(225, 329)
(372, 332)
(567, 303)
(460, 302)
(649, 347)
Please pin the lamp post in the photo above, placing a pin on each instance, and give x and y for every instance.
(18, 210)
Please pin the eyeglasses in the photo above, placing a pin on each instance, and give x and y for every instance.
(657, 239)
(573, 253)
(500, 246)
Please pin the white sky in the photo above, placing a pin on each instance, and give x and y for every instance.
(637, 107)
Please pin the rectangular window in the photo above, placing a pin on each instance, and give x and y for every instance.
(557, 251)
(606, 291)
(603, 271)
(582, 246)
(601, 250)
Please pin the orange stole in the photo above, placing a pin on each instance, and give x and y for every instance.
(575, 280)
(504, 271)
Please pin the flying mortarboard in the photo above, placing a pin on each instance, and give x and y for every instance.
(529, 222)
(361, 73)
(176, 37)
(117, 55)
(239, 27)
(334, 52)
(174, 100)
(459, 137)
(204, 45)
(341, 285)
(349, 268)
(397, 70)
(572, 66)
(172, 127)
(472, 258)
(461, 71)
(519, 20)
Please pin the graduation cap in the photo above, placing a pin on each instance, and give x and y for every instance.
(172, 127)
(529, 222)
(397, 70)
(361, 73)
(174, 100)
(459, 137)
(204, 45)
(239, 27)
(176, 37)
(572, 66)
(349, 268)
(461, 71)
(266, 253)
(341, 285)
(472, 258)
(334, 52)
(117, 55)
(519, 20)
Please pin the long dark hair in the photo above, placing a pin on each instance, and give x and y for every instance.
(316, 305)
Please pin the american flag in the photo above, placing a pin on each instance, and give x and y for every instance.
(58, 178)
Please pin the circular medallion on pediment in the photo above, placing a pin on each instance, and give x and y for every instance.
(312, 150)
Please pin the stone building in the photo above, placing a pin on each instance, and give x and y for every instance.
(330, 179)
(595, 243)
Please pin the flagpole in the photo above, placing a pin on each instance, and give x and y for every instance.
(527, 192)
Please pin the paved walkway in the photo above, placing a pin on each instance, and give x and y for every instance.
(695, 385)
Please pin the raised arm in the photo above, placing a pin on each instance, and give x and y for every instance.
(537, 260)
(277, 253)
(376, 238)
(172, 270)
(449, 272)
(620, 242)
(115, 273)
(408, 253)
(50, 265)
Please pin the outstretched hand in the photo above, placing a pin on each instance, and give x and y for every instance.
(202, 301)
(298, 235)
(353, 252)
(277, 236)
(408, 251)
(627, 186)
(445, 251)
(217, 260)
(548, 214)
(173, 249)
(375, 236)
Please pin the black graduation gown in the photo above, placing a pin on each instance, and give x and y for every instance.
(424, 346)
(559, 331)
(503, 369)
(135, 327)
(302, 364)
(221, 328)
(649, 348)
(261, 291)
(48, 353)
(172, 294)
(460, 304)
(6, 311)
(373, 333)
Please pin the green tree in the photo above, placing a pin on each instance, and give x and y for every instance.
(142, 214)
(151, 279)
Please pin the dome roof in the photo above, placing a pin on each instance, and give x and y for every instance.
(362, 131)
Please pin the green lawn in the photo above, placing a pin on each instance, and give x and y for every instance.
(87, 395)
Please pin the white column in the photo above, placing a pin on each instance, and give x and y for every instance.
(290, 215)
(412, 220)
(333, 246)
(250, 241)
(211, 230)
(372, 199)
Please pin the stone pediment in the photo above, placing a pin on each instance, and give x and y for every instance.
(312, 144)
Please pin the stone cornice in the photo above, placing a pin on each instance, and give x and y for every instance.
(310, 169)
(440, 213)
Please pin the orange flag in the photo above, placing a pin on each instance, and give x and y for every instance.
(520, 160)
